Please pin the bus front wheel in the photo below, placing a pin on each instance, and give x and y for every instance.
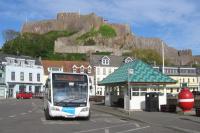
(46, 113)
(88, 117)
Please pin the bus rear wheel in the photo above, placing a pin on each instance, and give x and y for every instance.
(46, 113)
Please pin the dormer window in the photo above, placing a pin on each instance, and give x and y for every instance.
(55, 69)
(21, 62)
(74, 68)
(89, 69)
(10, 60)
(128, 59)
(82, 69)
(105, 60)
(31, 62)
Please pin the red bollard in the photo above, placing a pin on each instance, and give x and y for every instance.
(186, 100)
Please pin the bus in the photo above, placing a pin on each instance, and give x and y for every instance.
(67, 95)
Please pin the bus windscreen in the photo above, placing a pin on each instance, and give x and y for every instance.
(69, 89)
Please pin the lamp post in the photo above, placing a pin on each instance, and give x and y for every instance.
(163, 59)
(130, 72)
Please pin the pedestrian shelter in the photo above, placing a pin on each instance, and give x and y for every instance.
(129, 83)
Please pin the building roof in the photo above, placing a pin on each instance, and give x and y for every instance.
(142, 73)
(66, 65)
(3, 58)
(115, 61)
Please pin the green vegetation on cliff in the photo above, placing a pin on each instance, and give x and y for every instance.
(105, 31)
(36, 45)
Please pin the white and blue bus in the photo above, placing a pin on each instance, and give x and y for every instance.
(67, 95)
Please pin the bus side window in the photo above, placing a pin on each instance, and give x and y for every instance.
(49, 95)
(48, 89)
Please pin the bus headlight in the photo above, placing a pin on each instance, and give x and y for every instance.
(55, 108)
(84, 109)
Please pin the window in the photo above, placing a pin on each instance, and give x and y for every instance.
(30, 88)
(12, 75)
(104, 71)
(89, 69)
(30, 77)
(188, 80)
(38, 77)
(55, 69)
(31, 62)
(109, 71)
(82, 69)
(22, 76)
(105, 60)
(74, 69)
(1, 75)
(98, 71)
(135, 91)
(143, 91)
(128, 59)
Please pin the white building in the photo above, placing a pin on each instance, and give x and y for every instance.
(188, 75)
(103, 66)
(22, 74)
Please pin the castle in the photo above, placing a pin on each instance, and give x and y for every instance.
(123, 42)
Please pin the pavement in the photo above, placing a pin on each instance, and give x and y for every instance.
(182, 122)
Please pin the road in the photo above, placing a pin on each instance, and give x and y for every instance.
(20, 116)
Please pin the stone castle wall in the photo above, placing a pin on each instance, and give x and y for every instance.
(72, 22)
(61, 47)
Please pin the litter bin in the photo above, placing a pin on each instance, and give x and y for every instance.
(197, 111)
(152, 102)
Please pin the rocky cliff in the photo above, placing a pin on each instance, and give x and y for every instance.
(123, 42)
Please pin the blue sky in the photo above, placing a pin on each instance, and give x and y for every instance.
(177, 22)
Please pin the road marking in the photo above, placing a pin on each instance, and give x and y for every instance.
(30, 111)
(106, 130)
(12, 116)
(58, 122)
(134, 129)
(103, 128)
(23, 113)
(136, 124)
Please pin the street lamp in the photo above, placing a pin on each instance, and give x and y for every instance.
(130, 72)
(163, 59)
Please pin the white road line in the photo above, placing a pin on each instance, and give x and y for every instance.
(106, 130)
(23, 113)
(134, 129)
(30, 111)
(12, 116)
(136, 124)
(96, 129)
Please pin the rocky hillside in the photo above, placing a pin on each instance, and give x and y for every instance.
(94, 34)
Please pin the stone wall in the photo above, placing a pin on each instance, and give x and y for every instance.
(72, 22)
(60, 47)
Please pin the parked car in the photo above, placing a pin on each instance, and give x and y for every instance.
(24, 95)
(39, 95)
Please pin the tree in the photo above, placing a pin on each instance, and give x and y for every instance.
(10, 34)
